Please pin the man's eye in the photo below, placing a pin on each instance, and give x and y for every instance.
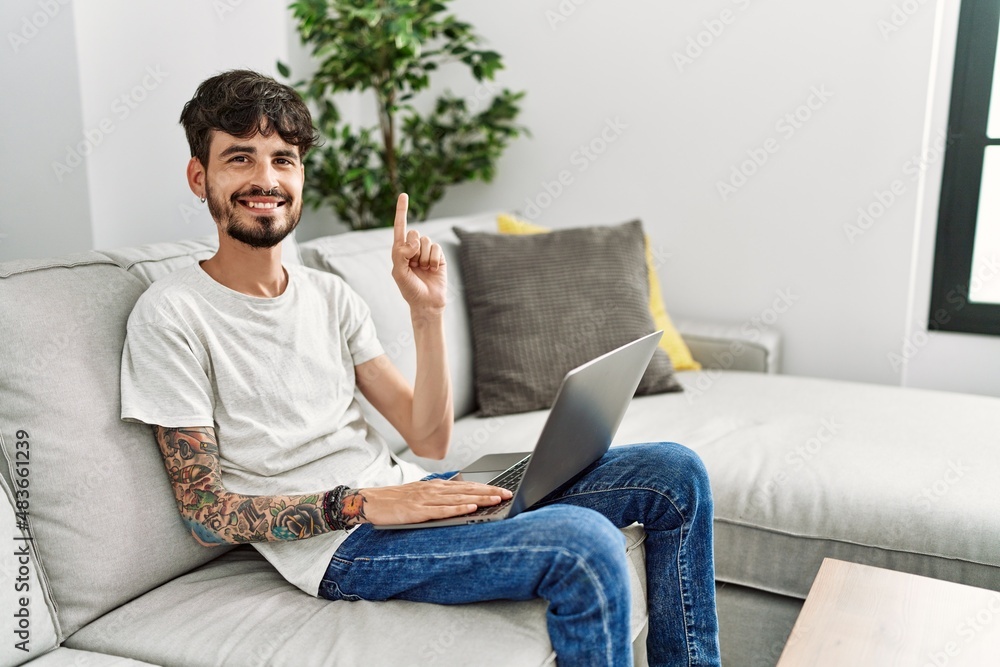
(239, 158)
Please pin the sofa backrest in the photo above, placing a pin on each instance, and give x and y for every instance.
(154, 260)
(102, 514)
(363, 260)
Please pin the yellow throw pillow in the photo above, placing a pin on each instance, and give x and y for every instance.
(672, 343)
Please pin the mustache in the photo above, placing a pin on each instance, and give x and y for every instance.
(260, 192)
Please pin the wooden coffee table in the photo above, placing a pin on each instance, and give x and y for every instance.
(863, 616)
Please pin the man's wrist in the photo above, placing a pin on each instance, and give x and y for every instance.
(344, 507)
(426, 316)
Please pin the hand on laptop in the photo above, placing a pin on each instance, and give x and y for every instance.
(427, 500)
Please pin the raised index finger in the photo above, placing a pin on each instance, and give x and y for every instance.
(399, 226)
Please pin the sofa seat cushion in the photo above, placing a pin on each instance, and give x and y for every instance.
(804, 468)
(237, 610)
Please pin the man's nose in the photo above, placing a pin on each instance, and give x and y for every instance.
(265, 176)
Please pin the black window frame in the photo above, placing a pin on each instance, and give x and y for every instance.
(975, 54)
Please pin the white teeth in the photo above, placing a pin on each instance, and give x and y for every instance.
(262, 204)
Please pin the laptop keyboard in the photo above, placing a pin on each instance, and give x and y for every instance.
(508, 479)
(511, 477)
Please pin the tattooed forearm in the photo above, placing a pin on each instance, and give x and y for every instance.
(216, 516)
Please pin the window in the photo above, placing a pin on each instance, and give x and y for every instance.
(965, 294)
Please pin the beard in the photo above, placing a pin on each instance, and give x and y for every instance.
(261, 231)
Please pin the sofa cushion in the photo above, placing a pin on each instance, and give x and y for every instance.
(804, 468)
(103, 516)
(24, 596)
(256, 618)
(671, 342)
(363, 260)
(542, 304)
(898, 478)
(63, 657)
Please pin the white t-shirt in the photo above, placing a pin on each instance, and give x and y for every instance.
(275, 377)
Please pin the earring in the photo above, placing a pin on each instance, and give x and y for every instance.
(203, 200)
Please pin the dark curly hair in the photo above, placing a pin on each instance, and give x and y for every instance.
(242, 103)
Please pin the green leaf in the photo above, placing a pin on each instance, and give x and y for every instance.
(389, 49)
(283, 69)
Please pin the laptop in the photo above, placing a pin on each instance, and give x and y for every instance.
(584, 417)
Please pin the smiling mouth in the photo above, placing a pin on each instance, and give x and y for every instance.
(261, 206)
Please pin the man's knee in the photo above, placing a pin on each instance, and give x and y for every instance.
(679, 467)
(688, 461)
(591, 558)
(585, 533)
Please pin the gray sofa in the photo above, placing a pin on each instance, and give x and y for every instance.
(801, 469)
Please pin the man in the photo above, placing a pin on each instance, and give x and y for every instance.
(247, 370)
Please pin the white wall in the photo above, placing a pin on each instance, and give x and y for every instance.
(686, 128)
(41, 213)
(850, 296)
(109, 79)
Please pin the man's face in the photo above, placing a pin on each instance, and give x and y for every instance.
(254, 187)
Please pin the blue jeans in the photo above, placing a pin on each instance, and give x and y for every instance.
(568, 550)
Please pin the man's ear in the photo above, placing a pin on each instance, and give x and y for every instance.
(196, 177)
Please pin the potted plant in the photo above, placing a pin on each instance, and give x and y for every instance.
(391, 47)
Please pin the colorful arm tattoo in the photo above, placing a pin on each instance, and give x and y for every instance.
(216, 516)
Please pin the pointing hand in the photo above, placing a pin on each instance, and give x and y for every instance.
(418, 265)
